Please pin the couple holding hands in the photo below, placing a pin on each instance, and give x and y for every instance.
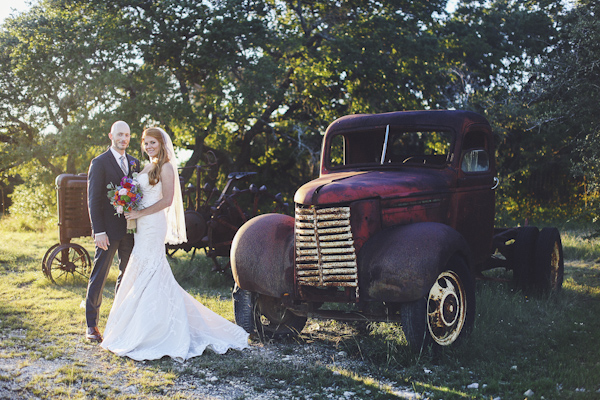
(151, 316)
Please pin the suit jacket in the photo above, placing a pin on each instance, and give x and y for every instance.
(104, 169)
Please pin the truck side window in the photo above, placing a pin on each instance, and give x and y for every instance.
(475, 160)
(337, 151)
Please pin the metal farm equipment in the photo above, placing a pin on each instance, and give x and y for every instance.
(212, 218)
(66, 259)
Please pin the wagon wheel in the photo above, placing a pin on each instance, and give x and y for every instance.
(68, 260)
(44, 269)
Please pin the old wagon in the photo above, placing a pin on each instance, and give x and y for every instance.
(213, 216)
(66, 260)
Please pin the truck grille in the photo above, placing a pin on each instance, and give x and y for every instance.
(325, 253)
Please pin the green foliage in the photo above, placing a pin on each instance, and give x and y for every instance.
(66, 76)
(257, 83)
(34, 200)
(533, 159)
(564, 97)
(284, 72)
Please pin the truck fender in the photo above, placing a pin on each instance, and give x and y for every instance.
(401, 263)
(262, 255)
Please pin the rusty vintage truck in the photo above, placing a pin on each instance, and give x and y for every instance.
(398, 227)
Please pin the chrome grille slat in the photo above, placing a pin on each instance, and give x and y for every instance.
(308, 267)
(325, 253)
(315, 272)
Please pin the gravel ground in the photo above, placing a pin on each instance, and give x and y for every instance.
(25, 375)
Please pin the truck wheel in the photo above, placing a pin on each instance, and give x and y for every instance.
(446, 314)
(524, 257)
(273, 320)
(242, 308)
(549, 262)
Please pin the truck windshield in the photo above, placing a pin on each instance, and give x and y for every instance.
(390, 146)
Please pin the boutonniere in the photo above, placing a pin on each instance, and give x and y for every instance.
(132, 163)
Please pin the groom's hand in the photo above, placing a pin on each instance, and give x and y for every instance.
(101, 241)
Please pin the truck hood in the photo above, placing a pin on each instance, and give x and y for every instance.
(345, 187)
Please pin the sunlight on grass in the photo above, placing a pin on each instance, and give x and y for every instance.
(577, 247)
(570, 284)
(375, 388)
(366, 381)
(153, 382)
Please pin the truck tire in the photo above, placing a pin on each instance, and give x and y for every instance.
(549, 262)
(272, 320)
(242, 309)
(446, 314)
(524, 257)
(264, 315)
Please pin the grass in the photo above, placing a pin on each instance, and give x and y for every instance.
(548, 345)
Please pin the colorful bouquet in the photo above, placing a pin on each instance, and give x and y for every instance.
(125, 197)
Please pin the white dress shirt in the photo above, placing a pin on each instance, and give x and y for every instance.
(118, 158)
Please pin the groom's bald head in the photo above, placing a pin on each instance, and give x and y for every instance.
(120, 127)
(120, 135)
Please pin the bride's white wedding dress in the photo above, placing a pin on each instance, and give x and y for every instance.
(152, 316)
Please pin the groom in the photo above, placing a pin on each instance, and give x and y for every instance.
(109, 230)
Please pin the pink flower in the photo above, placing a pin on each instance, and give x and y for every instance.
(119, 210)
(123, 192)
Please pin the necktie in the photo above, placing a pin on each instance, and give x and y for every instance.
(123, 165)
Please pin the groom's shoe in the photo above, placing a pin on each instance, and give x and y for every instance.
(93, 335)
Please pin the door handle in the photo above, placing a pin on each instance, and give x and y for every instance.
(496, 182)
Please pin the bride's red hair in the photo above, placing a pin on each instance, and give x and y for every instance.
(160, 159)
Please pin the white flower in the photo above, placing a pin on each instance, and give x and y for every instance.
(122, 192)
(119, 209)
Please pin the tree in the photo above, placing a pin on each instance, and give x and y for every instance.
(65, 75)
(258, 82)
(284, 71)
(495, 45)
(566, 93)
(504, 43)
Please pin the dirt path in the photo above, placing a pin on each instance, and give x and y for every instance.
(88, 371)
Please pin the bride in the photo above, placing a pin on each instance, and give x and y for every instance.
(152, 316)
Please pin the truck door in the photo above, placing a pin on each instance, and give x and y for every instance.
(473, 209)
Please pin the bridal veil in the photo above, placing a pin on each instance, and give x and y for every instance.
(176, 233)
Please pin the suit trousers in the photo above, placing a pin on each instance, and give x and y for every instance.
(102, 262)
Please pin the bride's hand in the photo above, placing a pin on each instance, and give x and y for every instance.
(132, 215)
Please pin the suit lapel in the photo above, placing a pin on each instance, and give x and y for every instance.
(116, 169)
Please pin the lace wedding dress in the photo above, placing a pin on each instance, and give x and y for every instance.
(152, 316)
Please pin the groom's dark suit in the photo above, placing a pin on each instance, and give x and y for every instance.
(104, 170)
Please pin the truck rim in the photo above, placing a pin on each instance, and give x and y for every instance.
(554, 267)
(446, 308)
(549, 267)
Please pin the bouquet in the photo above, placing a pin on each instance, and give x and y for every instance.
(125, 197)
